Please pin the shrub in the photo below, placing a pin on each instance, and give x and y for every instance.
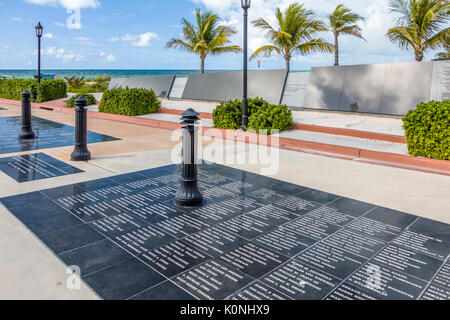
(228, 115)
(427, 130)
(75, 82)
(270, 117)
(71, 102)
(48, 89)
(89, 88)
(129, 102)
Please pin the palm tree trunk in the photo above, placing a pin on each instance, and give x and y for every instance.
(202, 66)
(288, 63)
(419, 56)
(336, 49)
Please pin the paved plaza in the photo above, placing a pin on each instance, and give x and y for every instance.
(326, 224)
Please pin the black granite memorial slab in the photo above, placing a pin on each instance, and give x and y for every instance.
(258, 291)
(213, 280)
(214, 241)
(301, 282)
(35, 167)
(143, 240)
(49, 134)
(297, 205)
(253, 238)
(70, 239)
(118, 225)
(253, 259)
(164, 291)
(387, 284)
(124, 280)
(331, 260)
(87, 257)
(355, 242)
(349, 292)
(284, 241)
(174, 258)
(407, 261)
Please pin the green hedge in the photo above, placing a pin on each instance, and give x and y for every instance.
(129, 102)
(71, 102)
(262, 116)
(427, 130)
(48, 89)
(270, 117)
(228, 115)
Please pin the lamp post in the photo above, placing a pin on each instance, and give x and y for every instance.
(39, 30)
(245, 4)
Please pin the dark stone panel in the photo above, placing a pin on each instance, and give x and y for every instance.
(69, 239)
(214, 241)
(392, 217)
(118, 225)
(387, 284)
(182, 225)
(285, 241)
(443, 276)
(375, 229)
(351, 207)
(143, 240)
(434, 292)
(297, 205)
(253, 259)
(38, 166)
(423, 243)
(49, 134)
(22, 199)
(164, 291)
(258, 291)
(174, 258)
(45, 218)
(95, 256)
(317, 196)
(349, 292)
(212, 280)
(161, 85)
(408, 261)
(355, 242)
(217, 86)
(308, 227)
(157, 212)
(246, 226)
(123, 280)
(330, 215)
(301, 282)
(430, 228)
(195, 86)
(331, 260)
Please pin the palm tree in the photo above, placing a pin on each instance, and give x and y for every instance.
(207, 37)
(296, 31)
(343, 21)
(445, 55)
(420, 25)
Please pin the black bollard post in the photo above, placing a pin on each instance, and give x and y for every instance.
(27, 130)
(189, 193)
(81, 153)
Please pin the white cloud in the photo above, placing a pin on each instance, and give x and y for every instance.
(61, 54)
(48, 35)
(59, 24)
(16, 19)
(108, 57)
(68, 4)
(82, 39)
(139, 40)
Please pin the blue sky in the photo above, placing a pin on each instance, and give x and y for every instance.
(118, 34)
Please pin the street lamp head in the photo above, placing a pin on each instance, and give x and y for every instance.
(39, 30)
(245, 4)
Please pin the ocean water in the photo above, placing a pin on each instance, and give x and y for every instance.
(89, 74)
